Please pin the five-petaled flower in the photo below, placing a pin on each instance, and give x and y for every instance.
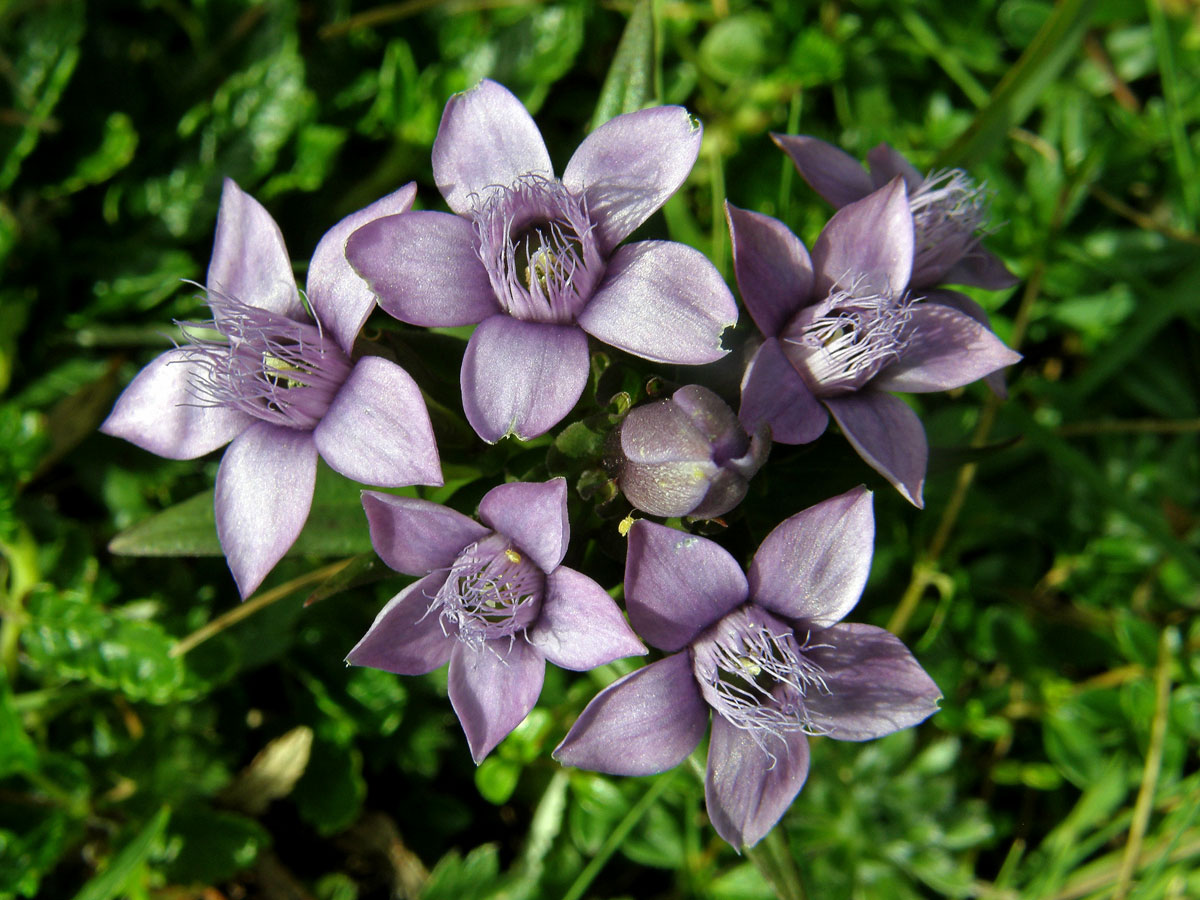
(494, 600)
(765, 652)
(280, 382)
(687, 455)
(534, 260)
(841, 331)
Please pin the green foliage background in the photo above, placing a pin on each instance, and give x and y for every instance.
(1050, 586)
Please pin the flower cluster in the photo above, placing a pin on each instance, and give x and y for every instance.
(537, 264)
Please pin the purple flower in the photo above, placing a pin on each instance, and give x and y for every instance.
(765, 652)
(949, 209)
(534, 259)
(687, 455)
(276, 382)
(494, 600)
(841, 332)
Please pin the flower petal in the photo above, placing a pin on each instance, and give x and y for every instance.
(943, 349)
(981, 268)
(662, 301)
(534, 515)
(249, 259)
(867, 246)
(814, 565)
(406, 637)
(493, 688)
(522, 378)
(837, 176)
(630, 165)
(875, 686)
(424, 268)
(888, 435)
(377, 429)
(264, 491)
(887, 162)
(677, 584)
(580, 626)
(773, 268)
(339, 297)
(159, 412)
(418, 536)
(642, 724)
(486, 138)
(964, 304)
(747, 790)
(773, 392)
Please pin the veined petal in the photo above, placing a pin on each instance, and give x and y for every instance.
(418, 536)
(424, 267)
(339, 297)
(868, 245)
(159, 412)
(406, 638)
(249, 259)
(677, 584)
(522, 378)
(964, 304)
(642, 724)
(814, 565)
(264, 492)
(875, 686)
(486, 137)
(943, 349)
(533, 515)
(888, 436)
(663, 301)
(773, 392)
(747, 790)
(630, 165)
(377, 429)
(493, 688)
(838, 177)
(773, 269)
(580, 626)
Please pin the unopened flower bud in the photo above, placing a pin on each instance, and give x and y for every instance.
(687, 455)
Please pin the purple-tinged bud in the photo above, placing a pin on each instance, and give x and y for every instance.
(687, 456)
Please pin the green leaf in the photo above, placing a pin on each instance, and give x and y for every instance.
(77, 638)
(114, 153)
(736, 47)
(17, 752)
(112, 881)
(27, 856)
(497, 778)
(215, 845)
(1021, 88)
(630, 83)
(330, 794)
(455, 878)
(336, 525)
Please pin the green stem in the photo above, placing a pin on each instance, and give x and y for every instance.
(773, 858)
(609, 847)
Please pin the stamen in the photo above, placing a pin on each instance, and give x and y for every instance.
(754, 672)
(270, 366)
(492, 592)
(840, 345)
(949, 212)
(536, 241)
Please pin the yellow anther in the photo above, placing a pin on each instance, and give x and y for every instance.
(512, 555)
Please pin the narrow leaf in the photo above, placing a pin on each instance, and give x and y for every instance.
(629, 85)
(111, 882)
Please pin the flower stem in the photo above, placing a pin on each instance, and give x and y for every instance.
(773, 858)
(254, 604)
(609, 847)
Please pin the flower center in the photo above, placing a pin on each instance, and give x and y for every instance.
(536, 242)
(839, 345)
(753, 671)
(270, 366)
(493, 591)
(949, 209)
